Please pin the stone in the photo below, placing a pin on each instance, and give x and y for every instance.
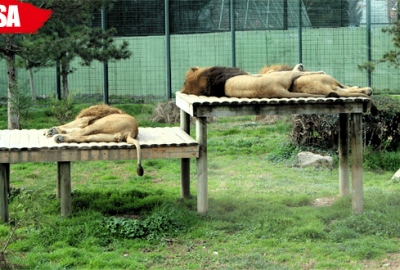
(396, 177)
(314, 160)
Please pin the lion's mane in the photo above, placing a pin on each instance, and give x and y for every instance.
(99, 111)
(209, 81)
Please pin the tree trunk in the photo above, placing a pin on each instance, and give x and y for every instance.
(13, 117)
(32, 85)
(64, 76)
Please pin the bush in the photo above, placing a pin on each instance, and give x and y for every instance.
(315, 130)
(164, 220)
(381, 132)
(62, 109)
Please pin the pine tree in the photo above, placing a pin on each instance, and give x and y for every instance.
(68, 34)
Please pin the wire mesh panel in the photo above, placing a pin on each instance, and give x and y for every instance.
(86, 83)
(141, 77)
(43, 82)
(383, 77)
(208, 42)
(383, 13)
(335, 43)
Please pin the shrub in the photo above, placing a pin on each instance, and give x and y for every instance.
(62, 109)
(381, 132)
(164, 220)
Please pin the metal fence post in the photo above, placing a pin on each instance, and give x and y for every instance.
(168, 49)
(369, 57)
(105, 63)
(233, 36)
(285, 14)
(300, 35)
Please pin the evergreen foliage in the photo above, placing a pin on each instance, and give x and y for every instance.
(391, 57)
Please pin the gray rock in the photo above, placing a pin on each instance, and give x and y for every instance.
(396, 177)
(314, 160)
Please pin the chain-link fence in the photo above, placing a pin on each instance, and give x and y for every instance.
(333, 36)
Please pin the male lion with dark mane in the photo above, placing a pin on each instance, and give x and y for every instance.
(322, 84)
(100, 123)
(234, 82)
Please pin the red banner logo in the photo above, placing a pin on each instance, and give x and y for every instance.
(21, 18)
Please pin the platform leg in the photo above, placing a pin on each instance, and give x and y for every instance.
(58, 194)
(185, 162)
(202, 173)
(64, 180)
(344, 166)
(357, 162)
(4, 188)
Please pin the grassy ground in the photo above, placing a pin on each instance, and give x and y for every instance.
(262, 210)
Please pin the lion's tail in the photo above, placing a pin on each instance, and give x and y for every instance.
(131, 140)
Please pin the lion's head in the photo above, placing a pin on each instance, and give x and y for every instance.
(209, 81)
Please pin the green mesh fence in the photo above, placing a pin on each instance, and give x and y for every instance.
(333, 39)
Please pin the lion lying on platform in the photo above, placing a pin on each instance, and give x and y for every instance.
(322, 84)
(100, 123)
(233, 82)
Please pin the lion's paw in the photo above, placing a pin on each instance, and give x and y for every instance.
(59, 139)
(299, 67)
(51, 132)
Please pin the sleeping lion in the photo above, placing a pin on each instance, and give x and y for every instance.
(273, 82)
(323, 84)
(234, 82)
(100, 123)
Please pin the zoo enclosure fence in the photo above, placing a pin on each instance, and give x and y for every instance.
(167, 37)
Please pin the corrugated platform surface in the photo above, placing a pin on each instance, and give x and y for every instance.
(162, 141)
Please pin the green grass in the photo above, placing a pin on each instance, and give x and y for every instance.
(260, 209)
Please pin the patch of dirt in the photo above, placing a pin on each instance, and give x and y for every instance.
(391, 262)
(157, 180)
(268, 119)
(324, 201)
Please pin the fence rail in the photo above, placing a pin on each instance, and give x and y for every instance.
(334, 37)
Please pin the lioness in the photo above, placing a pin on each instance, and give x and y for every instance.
(322, 84)
(100, 123)
(233, 82)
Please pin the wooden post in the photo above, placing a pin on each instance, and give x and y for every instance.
(185, 162)
(344, 166)
(357, 162)
(64, 180)
(58, 195)
(4, 188)
(202, 173)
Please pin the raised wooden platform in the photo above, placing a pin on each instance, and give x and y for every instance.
(349, 110)
(157, 143)
(202, 106)
(32, 146)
